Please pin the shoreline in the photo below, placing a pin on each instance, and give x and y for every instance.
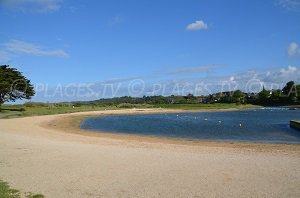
(44, 154)
(71, 124)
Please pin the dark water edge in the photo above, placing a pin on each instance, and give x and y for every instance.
(266, 125)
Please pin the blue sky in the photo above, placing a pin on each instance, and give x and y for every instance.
(166, 43)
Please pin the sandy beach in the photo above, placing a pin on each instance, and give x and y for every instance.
(52, 156)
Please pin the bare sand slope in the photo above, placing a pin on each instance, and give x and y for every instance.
(56, 164)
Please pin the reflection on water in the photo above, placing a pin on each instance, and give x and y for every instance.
(260, 125)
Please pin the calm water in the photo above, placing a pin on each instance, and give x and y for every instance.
(261, 125)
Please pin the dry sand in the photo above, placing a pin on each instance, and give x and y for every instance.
(49, 155)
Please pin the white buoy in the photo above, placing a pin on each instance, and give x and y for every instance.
(240, 124)
(205, 119)
(220, 121)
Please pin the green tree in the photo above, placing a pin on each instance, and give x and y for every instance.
(288, 89)
(290, 92)
(264, 95)
(275, 96)
(13, 85)
(238, 96)
(190, 98)
(298, 92)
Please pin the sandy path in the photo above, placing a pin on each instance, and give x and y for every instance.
(56, 164)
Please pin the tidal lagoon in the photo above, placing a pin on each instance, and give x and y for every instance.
(268, 125)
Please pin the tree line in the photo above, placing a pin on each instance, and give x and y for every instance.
(14, 86)
(288, 95)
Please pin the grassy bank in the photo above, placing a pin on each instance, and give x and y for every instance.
(7, 192)
(13, 111)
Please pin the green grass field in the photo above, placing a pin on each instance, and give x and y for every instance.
(7, 192)
(36, 111)
(11, 111)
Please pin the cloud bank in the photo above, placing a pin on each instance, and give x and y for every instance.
(193, 70)
(293, 49)
(22, 47)
(288, 4)
(248, 81)
(32, 6)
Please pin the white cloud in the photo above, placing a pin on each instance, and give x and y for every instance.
(289, 70)
(248, 81)
(21, 47)
(293, 49)
(120, 80)
(33, 6)
(288, 4)
(197, 25)
(192, 70)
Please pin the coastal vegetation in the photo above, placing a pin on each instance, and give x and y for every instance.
(15, 86)
(288, 95)
(7, 192)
